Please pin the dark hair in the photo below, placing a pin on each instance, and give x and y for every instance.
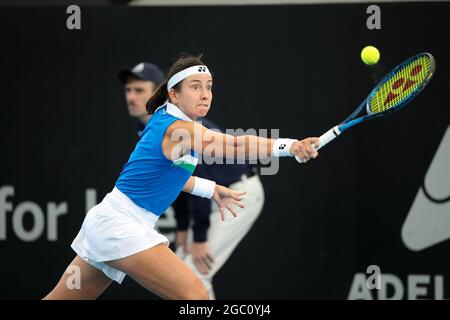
(161, 95)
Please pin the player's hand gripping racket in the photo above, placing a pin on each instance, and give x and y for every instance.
(394, 92)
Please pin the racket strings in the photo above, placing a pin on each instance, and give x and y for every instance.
(402, 83)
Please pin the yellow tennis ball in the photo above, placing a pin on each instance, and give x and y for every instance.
(370, 55)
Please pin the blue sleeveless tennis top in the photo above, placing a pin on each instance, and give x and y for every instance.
(149, 179)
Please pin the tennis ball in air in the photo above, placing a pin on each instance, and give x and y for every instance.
(370, 55)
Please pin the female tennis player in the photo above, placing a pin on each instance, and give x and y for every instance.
(117, 237)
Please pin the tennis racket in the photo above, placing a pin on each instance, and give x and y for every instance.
(393, 92)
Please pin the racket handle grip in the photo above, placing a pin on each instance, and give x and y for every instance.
(325, 139)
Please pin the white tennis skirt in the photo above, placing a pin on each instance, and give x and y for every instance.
(116, 228)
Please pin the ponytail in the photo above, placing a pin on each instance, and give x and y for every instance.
(158, 98)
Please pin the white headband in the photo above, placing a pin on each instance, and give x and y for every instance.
(183, 74)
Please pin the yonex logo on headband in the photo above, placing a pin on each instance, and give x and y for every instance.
(183, 74)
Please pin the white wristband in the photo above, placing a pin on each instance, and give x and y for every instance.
(282, 147)
(203, 188)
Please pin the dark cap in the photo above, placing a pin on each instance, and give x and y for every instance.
(143, 71)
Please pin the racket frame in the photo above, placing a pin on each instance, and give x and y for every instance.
(351, 120)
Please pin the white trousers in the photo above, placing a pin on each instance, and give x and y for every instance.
(224, 236)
